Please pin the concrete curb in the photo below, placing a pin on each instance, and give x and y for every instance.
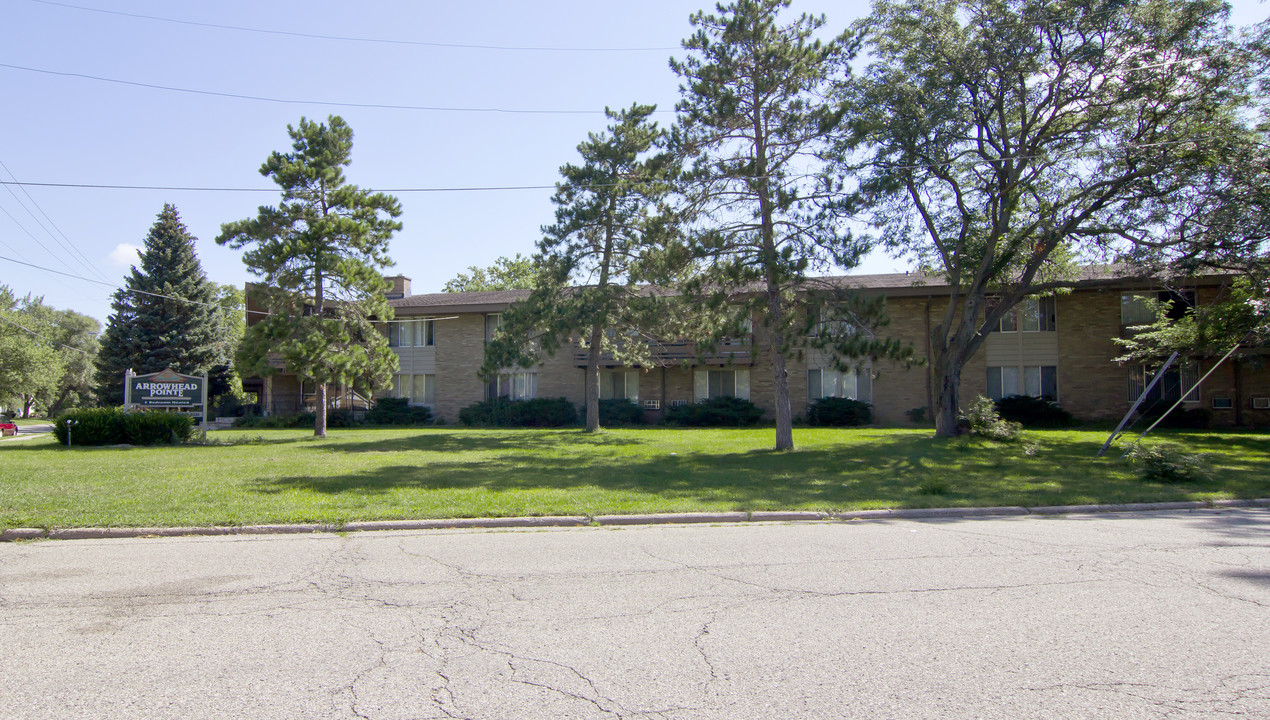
(14, 534)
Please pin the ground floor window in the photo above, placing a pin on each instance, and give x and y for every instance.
(619, 385)
(514, 386)
(825, 382)
(707, 384)
(418, 389)
(1169, 389)
(1034, 380)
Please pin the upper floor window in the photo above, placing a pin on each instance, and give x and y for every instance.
(412, 333)
(1029, 315)
(493, 322)
(1137, 308)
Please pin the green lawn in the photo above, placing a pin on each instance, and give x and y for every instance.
(362, 474)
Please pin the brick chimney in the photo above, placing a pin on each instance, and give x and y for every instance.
(400, 287)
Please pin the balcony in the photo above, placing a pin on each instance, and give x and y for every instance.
(733, 352)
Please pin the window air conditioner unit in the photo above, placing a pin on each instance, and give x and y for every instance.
(652, 405)
(677, 403)
(1261, 403)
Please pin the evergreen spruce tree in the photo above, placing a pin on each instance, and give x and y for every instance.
(165, 316)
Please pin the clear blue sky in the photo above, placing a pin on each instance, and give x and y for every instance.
(59, 128)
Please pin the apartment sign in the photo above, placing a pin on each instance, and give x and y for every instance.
(165, 389)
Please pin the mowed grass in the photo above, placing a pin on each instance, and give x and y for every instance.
(283, 476)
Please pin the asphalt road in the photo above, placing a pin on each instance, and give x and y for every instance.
(1160, 615)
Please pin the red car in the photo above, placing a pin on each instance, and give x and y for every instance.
(8, 428)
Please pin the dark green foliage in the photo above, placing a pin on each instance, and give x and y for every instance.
(619, 411)
(156, 428)
(397, 411)
(1180, 418)
(165, 316)
(539, 412)
(318, 253)
(1031, 411)
(341, 418)
(115, 426)
(715, 412)
(839, 412)
(916, 415)
(514, 273)
(1168, 462)
(298, 420)
(982, 419)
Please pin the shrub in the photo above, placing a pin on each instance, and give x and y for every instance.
(115, 426)
(839, 412)
(340, 418)
(1180, 418)
(715, 412)
(299, 420)
(619, 411)
(916, 415)
(539, 412)
(92, 426)
(1032, 411)
(154, 428)
(982, 419)
(397, 411)
(1169, 463)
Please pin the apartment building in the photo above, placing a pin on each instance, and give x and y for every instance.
(1060, 346)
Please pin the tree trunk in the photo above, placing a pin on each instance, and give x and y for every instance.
(780, 375)
(319, 422)
(593, 381)
(948, 396)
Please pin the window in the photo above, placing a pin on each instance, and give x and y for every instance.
(493, 322)
(619, 385)
(418, 389)
(825, 383)
(412, 333)
(1136, 308)
(707, 384)
(823, 324)
(514, 386)
(1035, 380)
(1029, 315)
(1169, 389)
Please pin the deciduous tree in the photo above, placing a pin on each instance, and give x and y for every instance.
(1000, 143)
(514, 273)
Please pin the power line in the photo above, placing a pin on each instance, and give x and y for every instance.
(285, 101)
(42, 337)
(349, 38)
(68, 246)
(190, 188)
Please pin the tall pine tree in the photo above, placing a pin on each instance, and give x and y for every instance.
(165, 316)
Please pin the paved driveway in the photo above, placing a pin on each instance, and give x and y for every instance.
(1165, 615)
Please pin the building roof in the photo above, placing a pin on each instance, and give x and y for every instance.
(891, 284)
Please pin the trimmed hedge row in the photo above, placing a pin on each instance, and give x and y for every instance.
(501, 412)
(839, 412)
(397, 411)
(715, 412)
(116, 426)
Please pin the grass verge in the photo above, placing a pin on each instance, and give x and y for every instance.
(281, 476)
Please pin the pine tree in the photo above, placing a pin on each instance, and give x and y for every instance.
(319, 254)
(164, 316)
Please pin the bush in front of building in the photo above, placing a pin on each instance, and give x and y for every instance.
(116, 426)
(501, 412)
(397, 411)
(278, 422)
(839, 412)
(715, 412)
(1032, 411)
(617, 412)
(1168, 462)
(982, 419)
(1179, 419)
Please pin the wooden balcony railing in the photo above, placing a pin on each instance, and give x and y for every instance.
(735, 352)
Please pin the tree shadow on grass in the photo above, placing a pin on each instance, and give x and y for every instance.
(482, 440)
(895, 471)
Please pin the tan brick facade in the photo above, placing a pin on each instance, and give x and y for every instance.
(1090, 384)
